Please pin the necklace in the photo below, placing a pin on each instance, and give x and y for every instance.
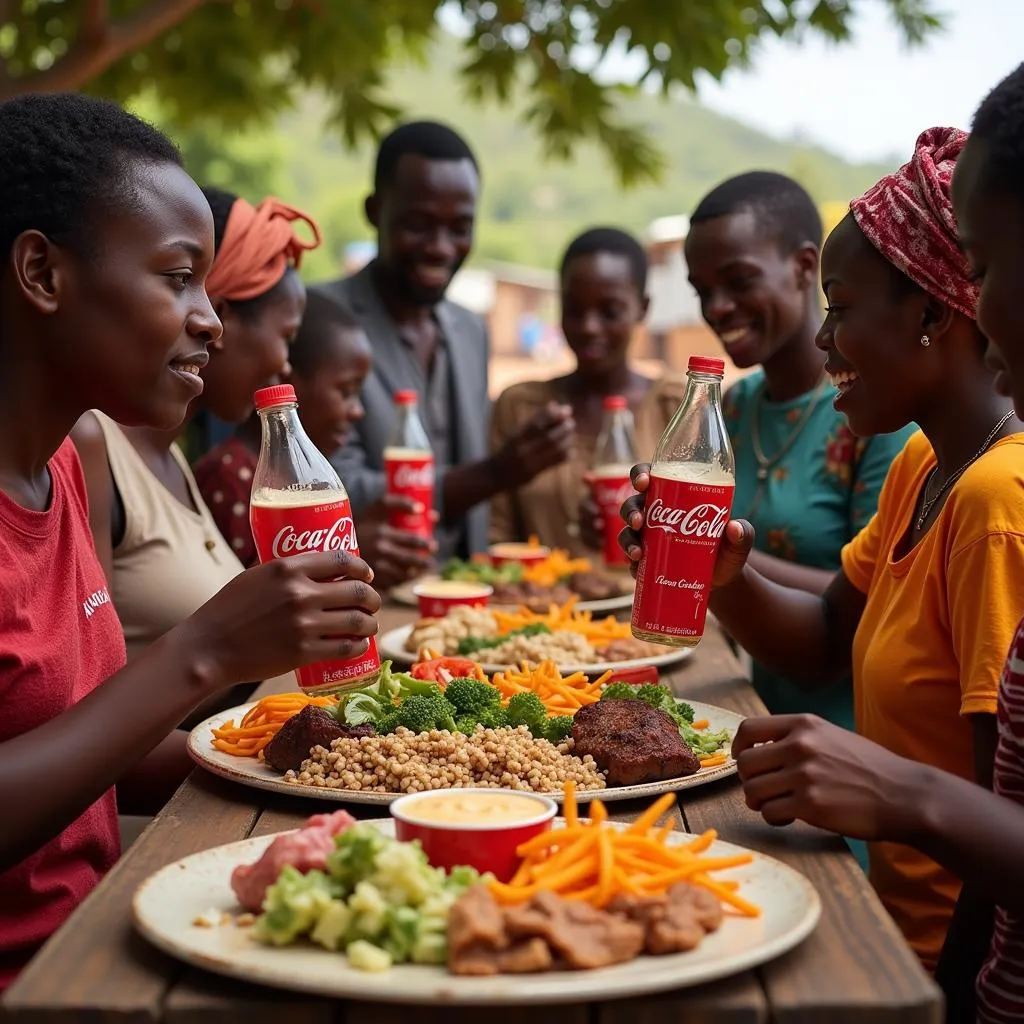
(765, 463)
(927, 504)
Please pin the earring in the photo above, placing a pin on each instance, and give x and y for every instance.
(925, 340)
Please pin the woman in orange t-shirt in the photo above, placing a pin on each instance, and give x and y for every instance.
(931, 590)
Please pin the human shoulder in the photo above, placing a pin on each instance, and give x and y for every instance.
(463, 318)
(741, 392)
(989, 497)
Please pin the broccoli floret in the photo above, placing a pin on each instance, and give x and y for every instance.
(422, 714)
(658, 696)
(527, 709)
(493, 718)
(471, 697)
(619, 691)
(559, 729)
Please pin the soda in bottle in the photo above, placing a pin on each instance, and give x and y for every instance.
(687, 507)
(409, 465)
(609, 478)
(299, 504)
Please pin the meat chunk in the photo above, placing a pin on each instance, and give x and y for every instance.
(626, 648)
(311, 727)
(632, 742)
(305, 850)
(594, 586)
(479, 944)
(578, 934)
(674, 922)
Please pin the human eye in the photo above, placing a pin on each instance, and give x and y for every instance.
(180, 279)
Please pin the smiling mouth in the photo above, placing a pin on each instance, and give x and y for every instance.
(730, 337)
(192, 368)
(844, 380)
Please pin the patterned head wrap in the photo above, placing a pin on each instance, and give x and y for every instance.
(908, 218)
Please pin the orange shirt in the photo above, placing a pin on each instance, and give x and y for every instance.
(932, 643)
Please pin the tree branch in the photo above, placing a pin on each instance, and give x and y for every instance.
(101, 43)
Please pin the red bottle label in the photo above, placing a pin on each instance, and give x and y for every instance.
(684, 526)
(283, 531)
(609, 492)
(413, 478)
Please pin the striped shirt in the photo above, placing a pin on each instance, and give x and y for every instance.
(1001, 981)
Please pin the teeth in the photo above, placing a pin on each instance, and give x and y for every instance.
(729, 337)
(844, 377)
(189, 368)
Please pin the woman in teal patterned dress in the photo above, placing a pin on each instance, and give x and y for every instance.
(802, 479)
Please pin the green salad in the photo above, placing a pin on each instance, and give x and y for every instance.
(482, 572)
(378, 901)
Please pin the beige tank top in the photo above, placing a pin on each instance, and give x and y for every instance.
(172, 559)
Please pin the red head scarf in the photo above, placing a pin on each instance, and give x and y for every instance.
(908, 218)
(257, 248)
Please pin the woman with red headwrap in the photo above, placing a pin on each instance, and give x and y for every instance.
(930, 593)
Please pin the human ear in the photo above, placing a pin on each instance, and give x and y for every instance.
(806, 260)
(41, 270)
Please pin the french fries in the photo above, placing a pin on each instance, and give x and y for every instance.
(262, 722)
(561, 695)
(566, 617)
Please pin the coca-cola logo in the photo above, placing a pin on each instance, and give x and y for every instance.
(706, 520)
(409, 476)
(339, 536)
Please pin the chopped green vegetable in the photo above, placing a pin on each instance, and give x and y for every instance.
(374, 702)
(482, 572)
(471, 697)
(528, 709)
(379, 901)
(421, 713)
(559, 729)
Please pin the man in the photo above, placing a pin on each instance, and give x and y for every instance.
(423, 207)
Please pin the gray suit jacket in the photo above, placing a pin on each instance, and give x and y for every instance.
(360, 464)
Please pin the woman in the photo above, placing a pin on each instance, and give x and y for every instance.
(603, 291)
(106, 246)
(930, 591)
(154, 534)
(330, 358)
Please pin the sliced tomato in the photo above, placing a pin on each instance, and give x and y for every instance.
(635, 676)
(441, 670)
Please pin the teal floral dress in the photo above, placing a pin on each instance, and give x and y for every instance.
(819, 488)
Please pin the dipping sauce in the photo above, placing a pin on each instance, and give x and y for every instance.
(513, 551)
(435, 597)
(480, 827)
(474, 808)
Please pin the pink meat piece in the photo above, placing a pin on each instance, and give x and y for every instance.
(305, 850)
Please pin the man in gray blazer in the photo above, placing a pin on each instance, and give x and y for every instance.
(423, 206)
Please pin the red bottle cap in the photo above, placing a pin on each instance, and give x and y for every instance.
(706, 364)
(613, 403)
(406, 398)
(279, 394)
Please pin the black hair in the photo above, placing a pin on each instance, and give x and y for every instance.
(64, 159)
(429, 139)
(323, 314)
(221, 203)
(782, 208)
(999, 122)
(614, 241)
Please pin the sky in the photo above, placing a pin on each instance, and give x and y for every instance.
(870, 98)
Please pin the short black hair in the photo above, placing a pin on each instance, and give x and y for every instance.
(429, 139)
(614, 241)
(999, 122)
(782, 208)
(64, 159)
(323, 313)
(221, 202)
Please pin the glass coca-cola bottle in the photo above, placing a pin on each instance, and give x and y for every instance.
(687, 508)
(299, 504)
(409, 465)
(609, 481)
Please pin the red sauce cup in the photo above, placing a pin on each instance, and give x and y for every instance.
(511, 551)
(436, 597)
(481, 844)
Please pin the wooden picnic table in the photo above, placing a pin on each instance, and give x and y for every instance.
(854, 967)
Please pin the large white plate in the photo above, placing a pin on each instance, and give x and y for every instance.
(392, 645)
(402, 594)
(167, 903)
(249, 771)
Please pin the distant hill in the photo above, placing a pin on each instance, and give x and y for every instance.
(530, 207)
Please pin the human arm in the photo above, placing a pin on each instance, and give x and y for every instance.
(99, 484)
(790, 574)
(395, 555)
(504, 518)
(150, 783)
(805, 637)
(265, 622)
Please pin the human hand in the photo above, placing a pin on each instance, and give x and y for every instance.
(545, 440)
(737, 538)
(282, 615)
(802, 767)
(396, 555)
(591, 522)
